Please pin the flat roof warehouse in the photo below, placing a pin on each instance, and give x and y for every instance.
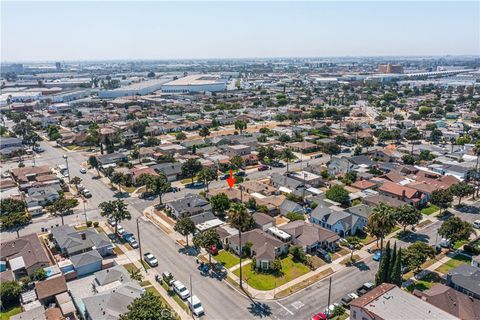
(195, 80)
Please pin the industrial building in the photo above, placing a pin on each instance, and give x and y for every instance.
(139, 88)
(195, 83)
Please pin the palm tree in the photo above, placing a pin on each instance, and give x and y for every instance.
(288, 155)
(381, 222)
(239, 218)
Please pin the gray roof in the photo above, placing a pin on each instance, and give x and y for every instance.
(203, 217)
(86, 258)
(291, 206)
(110, 305)
(361, 210)
(169, 168)
(116, 273)
(279, 180)
(71, 240)
(304, 233)
(467, 277)
(190, 204)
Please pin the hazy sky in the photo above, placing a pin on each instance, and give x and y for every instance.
(35, 31)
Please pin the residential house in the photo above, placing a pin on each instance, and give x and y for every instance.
(172, 170)
(263, 221)
(452, 301)
(171, 149)
(336, 219)
(25, 175)
(47, 289)
(265, 247)
(310, 236)
(41, 196)
(466, 279)
(87, 262)
(237, 150)
(288, 206)
(388, 301)
(375, 199)
(72, 242)
(111, 159)
(340, 166)
(403, 193)
(29, 249)
(257, 187)
(190, 205)
(310, 179)
(10, 146)
(303, 147)
(287, 185)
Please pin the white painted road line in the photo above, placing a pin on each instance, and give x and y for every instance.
(281, 305)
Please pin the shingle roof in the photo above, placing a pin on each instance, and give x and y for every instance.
(29, 247)
(85, 258)
(50, 287)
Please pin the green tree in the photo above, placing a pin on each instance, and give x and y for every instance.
(396, 275)
(407, 216)
(288, 156)
(60, 208)
(441, 198)
(53, 132)
(338, 194)
(220, 203)
(147, 307)
(139, 127)
(460, 190)
(207, 175)
(206, 240)
(10, 205)
(93, 163)
(417, 254)
(239, 218)
(276, 267)
(204, 132)
(159, 186)
(237, 162)
(76, 181)
(408, 159)
(383, 273)
(185, 227)
(39, 275)
(15, 221)
(240, 125)
(298, 254)
(10, 293)
(145, 179)
(118, 179)
(116, 210)
(413, 135)
(353, 244)
(135, 274)
(456, 229)
(181, 136)
(381, 222)
(294, 216)
(330, 148)
(191, 168)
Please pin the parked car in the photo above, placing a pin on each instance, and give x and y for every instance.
(445, 243)
(319, 316)
(168, 277)
(181, 290)
(120, 231)
(196, 306)
(83, 170)
(377, 255)
(122, 150)
(147, 196)
(133, 242)
(127, 235)
(323, 254)
(263, 167)
(277, 164)
(86, 193)
(345, 302)
(224, 177)
(111, 222)
(240, 174)
(476, 224)
(150, 259)
(367, 286)
(213, 250)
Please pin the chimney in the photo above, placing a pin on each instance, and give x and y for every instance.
(84, 236)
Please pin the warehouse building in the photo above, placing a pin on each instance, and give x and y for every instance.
(195, 83)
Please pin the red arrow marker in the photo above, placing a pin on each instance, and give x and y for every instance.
(231, 180)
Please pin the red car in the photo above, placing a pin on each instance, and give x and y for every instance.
(263, 167)
(213, 250)
(319, 316)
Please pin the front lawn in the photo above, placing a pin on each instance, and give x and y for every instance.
(227, 259)
(5, 315)
(426, 283)
(456, 261)
(266, 281)
(130, 267)
(431, 208)
(458, 244)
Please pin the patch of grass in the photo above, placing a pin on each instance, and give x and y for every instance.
(342, 252)
(426, 283)
(305, 283)
(423, 223)
(456, 261)
(156, 293)
(267, 281)
(80, 228)
(128, 189)
(344, 316)
(71, 147)
(144, 264)
(130, 267)
(117, 251)
(100, 230)
(458, 244)
(5, 315)
(365, 238)
(431, 208)
(145, 283)
(227, 259)
(348, 261)
(317, 262)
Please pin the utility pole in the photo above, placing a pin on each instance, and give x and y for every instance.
(191, 294)
(85, 211)
(329, 293)
(140, 245)
(68, 170)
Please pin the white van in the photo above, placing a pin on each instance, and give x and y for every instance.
(36, 211)
(196, 306)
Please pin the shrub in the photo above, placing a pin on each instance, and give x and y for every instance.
(89, 224)
(96, 224)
